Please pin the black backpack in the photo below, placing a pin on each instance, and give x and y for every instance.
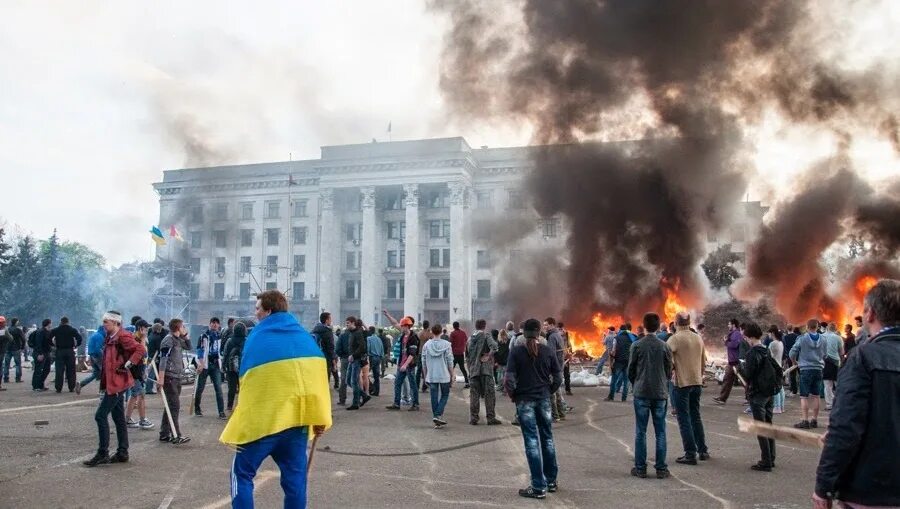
(770, 379)
(31, 339)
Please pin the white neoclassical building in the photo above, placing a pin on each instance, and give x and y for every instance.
(367, 227)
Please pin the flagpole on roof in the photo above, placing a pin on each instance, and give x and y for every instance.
(390, 136)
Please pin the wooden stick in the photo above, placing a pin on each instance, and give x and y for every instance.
(194, 396)
(781, 433)
(739, 377)
(791, 369)
(162, 393)
(312, 452)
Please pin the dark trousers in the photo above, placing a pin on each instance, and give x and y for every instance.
(794, 381)
(728, 382)
(567, 376)
(65, 364)
(333, 376)
(687, 403)
(342, 389)
(460, 360)
(214, 375)
(232, 379)
(172, 390)
(112, 404)
(646, 410)
(761, 407)
(482, 387)
(41, 370)
(375, 368)
(12, 357)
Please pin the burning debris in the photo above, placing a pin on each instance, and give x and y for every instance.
(694, 80)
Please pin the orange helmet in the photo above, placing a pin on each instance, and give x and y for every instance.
(406, 321)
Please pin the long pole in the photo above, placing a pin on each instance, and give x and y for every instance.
(162, 393)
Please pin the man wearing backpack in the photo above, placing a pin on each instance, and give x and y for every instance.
(759, 371)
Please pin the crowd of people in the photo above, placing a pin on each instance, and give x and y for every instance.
(858, 374)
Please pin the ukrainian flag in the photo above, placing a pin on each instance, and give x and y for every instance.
(283, 380)
(157, 236)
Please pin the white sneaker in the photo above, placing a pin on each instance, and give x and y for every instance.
(146, 424)
(132, 423)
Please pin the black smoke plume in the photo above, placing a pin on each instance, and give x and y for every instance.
(689, 75)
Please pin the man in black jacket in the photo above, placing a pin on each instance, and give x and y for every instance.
(761, 380)
(359, 348)
(41, 354)
(325, 338)
(154, 338)
(859, 458)
(14, 351)
(66, 339)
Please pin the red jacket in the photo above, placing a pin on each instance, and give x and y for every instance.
(113, 377)
(458, 341)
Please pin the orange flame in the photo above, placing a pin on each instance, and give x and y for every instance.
(673, 305)
(591, 341)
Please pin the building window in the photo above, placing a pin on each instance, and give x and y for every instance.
(271, 263)
(439, 228)
(395, 202)
(396, 288)
(194, 290)
(272, 236)
(484, 289)
(438, 199)
(195, 265)
(219, 238)
(220, 264)
(351, 289)
(273, 209)
(271, 285)
(300, 208)
(220, 211)
(299, 291)
(353, 231)
(439, 288)
(246, 211)
(300, 263)
(246, 238)
(396, 230)
(219, 291)
(515, 200)
(299, 234)
(549, 228)
(353, 258)
(245, 291)
(197, 214)
(245, 264)
(484, 259)
(439, 258)
(196, 240)
(484, 199)
(392, 262)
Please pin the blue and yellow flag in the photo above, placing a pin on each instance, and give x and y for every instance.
(157, 236)
(283, 380)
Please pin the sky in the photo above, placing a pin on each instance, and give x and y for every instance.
(97, 99)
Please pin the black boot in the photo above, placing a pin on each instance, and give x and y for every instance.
(98, 459)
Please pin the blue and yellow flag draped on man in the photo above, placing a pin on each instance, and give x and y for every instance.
(283, 381)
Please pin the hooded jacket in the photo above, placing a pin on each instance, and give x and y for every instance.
(438, 359)
(326, 339)
(117, 349)
(18, 338)
(234, 345)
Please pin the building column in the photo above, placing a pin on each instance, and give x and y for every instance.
(329, 262)
(460, 285)
(413, 303)
(370, 269)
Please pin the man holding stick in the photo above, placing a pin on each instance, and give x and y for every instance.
(284, 397)
(858, 466)
(171, 366)
(762, 380)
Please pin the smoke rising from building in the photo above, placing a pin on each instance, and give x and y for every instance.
(703, 74)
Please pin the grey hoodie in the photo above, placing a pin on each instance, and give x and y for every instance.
(438, 358)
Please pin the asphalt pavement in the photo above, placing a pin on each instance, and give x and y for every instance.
(376, 458)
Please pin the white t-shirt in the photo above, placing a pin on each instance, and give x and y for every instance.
(776, 350)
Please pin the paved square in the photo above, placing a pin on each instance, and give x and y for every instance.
(376, 458)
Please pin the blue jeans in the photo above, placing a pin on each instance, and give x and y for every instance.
(402, 377)
(288, 449)
(151, 381)
(375, 368)
(643, 410)
(535, 420)
(619, 377)
(213, 373)
(353, 380)
(440, 393)
(12, 356)
(687, 403)
(96, 362)
(601, 363)
(112, 404)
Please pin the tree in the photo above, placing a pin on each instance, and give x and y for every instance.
(719, 267)
(20, 278)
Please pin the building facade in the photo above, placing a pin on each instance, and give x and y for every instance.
(365, 228)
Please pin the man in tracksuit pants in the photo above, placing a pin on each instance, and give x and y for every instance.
(209, 366)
